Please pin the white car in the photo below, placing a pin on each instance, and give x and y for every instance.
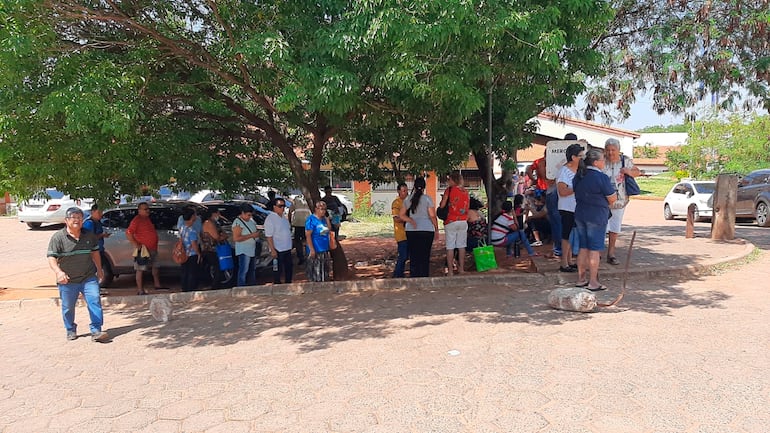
(49, 207)
(688, 192)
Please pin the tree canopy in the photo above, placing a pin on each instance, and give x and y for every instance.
(682, 52)
(108, 96)
(113, 95)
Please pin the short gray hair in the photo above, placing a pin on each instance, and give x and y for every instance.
(612, 142)
(73, 211)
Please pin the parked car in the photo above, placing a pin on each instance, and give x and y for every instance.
(49, 207)
(164, 215)
(753, 197)
(688, 192)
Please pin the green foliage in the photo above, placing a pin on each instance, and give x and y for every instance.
(683, 127)
(646, 151)
(111, 96)
(682, 52)
(738, 145)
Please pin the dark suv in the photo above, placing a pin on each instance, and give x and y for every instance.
(753, 198)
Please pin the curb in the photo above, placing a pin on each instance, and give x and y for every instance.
(521, 280)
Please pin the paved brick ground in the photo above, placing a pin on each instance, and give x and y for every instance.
(686, 351)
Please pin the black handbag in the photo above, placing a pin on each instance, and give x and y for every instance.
(443, 212)
(632, 188)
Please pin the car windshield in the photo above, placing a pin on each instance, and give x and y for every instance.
(705, 188)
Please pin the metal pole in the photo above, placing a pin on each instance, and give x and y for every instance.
(490, 162)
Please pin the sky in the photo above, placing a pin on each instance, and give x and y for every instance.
(642, 115)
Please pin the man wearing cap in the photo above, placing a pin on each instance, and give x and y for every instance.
(73, 255)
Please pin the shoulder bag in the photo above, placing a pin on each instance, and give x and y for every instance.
(442, 212)
(632, 188)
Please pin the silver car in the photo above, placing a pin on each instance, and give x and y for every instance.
(164, 215)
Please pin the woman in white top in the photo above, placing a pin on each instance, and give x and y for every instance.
(245, 236)
(567, 203)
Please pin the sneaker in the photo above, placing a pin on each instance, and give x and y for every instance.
(100, 337)
(72, 335)
(613, 261)
(566, 269)
(537, 244)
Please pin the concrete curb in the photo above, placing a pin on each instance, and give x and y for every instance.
(513, 280)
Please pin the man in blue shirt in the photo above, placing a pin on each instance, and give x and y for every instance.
(94, 225)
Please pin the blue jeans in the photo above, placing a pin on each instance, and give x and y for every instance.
(552, 206)
(403, 254)
(247, 274)
(69, 296)
(511, 239)
(591, 235)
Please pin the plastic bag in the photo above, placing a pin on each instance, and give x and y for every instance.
(484, 256)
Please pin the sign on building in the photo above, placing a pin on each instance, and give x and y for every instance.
(555, 155)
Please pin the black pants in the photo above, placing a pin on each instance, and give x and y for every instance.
(298, 241)
(285, 265)
(190, 274)
(419, 245)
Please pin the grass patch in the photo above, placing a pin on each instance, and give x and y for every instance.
(656, 186)
(360, 226)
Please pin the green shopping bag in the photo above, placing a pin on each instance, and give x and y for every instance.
(484, 256)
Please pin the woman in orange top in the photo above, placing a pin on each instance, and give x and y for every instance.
(456, 223)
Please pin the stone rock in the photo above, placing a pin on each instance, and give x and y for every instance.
(572, 299)
(160, 308)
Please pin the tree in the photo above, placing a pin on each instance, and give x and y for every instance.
(683, 51)
(113, 95)
(738, 145)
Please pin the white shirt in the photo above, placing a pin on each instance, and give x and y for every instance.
(279, 229)
(612, 170)
(567, 203)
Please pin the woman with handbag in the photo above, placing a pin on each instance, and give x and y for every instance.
(212, 234)
(419, 213)
(245, 235)
(617, 167)
(456, 199)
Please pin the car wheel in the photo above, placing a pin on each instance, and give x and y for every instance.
(667, 212)
(34, 226)
(763, 219)
(344, 216)
(109, 277)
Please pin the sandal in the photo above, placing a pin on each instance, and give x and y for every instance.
(582, 284)
(141, 292)
(613, 261)
(597, 289)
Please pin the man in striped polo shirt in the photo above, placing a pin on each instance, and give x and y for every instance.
(73, 254)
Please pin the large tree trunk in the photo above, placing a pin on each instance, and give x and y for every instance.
(724, 201)
(497, 193)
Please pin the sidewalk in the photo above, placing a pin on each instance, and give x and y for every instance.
(685, 351)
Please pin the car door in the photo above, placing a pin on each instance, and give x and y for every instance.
(678, 201)
(165, 218)
(744, 206)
